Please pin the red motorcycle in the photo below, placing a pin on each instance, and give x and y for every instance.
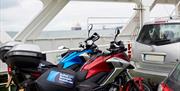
(105, 72)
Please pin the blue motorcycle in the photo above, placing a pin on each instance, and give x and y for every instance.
(74, 59)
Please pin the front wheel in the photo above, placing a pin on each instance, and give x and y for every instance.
(133, 87)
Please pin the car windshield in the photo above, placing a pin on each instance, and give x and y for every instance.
(160, 34)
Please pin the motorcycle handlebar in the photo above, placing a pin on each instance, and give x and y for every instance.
(94, 37)
(89, 42)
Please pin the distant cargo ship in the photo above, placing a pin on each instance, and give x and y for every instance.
(77, 27)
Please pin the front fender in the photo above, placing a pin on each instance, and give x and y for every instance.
(137, 81)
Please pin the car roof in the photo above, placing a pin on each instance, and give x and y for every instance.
(163, 21)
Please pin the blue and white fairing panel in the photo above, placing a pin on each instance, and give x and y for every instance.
(73, 58)
(63, 79)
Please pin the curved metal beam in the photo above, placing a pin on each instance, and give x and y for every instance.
(178, 9)
(50, 10)
(4, 37)
(52, 7)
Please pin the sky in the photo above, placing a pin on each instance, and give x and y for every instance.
(15, 15)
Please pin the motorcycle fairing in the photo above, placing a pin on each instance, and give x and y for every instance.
(97, 66)
(112, 76)
(73, 58)
(120, 63)
(100, 65)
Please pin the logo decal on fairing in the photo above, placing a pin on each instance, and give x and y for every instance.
(61, 78)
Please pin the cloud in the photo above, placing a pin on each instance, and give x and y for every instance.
(22, 12)
(17, 17)
(8, 4)
(166, 10)
(16, 14)
(78, 12)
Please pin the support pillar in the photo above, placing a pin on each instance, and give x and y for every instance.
(4, 37)
(140, 17)
(147, 6)
(178, 9)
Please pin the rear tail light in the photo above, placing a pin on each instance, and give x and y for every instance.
(9, 70)
(164, 87)
(129, 50)
(36, 74)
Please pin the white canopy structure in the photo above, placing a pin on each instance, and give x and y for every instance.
(53, 7)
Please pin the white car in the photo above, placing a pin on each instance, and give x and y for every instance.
(157, 47)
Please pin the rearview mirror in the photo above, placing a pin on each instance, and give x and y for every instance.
(90, 28)
(95, 37)
(117, 32)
